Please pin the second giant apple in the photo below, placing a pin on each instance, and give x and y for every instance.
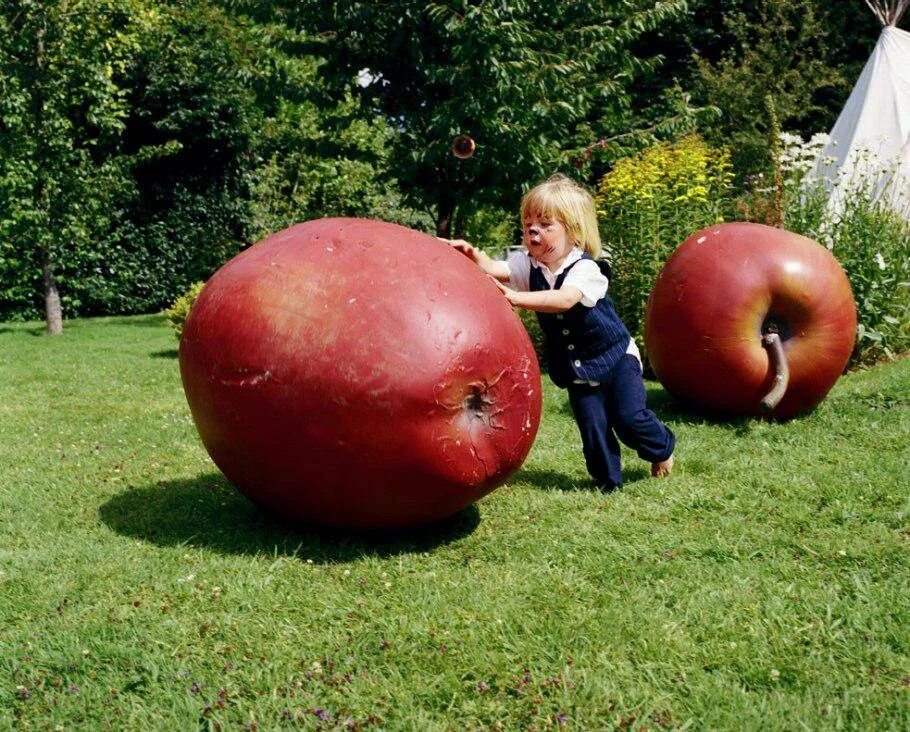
(739, 305)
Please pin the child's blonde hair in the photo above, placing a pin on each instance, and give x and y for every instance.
(563, 199)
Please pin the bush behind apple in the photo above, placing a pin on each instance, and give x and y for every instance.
(648, 205)
(867, 237)
(651, 202)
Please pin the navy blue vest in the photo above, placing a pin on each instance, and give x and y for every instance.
(583, 342)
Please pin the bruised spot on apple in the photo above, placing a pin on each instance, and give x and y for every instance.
(357, 373)
(746, 319)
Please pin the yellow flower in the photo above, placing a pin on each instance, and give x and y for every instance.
(676, 172)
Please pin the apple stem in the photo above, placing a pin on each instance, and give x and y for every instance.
(772, 342)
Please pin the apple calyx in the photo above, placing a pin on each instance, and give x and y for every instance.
(771, 341)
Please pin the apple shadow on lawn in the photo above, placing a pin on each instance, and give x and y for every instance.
(674, 411)
(207, 511)
(671, 410)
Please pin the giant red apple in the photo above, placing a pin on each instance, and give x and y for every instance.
(357, 373)
(749, 319)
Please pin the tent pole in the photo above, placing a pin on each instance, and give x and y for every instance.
(889, 12)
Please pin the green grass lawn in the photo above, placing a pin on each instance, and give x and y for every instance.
(764, 585)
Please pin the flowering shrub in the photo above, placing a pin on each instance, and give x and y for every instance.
(649, 204)
(179, 310)
(869, 239)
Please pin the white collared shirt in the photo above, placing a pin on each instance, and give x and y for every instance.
(585, 276)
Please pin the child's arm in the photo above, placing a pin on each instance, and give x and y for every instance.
(544, 301)
(497, 270)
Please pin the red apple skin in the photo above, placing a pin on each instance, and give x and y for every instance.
(705, 315)
(356, 373)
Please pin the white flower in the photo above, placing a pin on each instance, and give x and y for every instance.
(880, 260)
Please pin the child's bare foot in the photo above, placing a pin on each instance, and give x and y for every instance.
(663, 468)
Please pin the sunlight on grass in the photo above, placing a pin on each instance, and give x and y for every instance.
(764, 584)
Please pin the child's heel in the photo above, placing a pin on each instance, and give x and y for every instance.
(663, 468)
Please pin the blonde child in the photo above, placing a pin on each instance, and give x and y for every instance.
(588, 349)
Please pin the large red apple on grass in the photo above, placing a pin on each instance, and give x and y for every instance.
(357, 373)
(746, 319)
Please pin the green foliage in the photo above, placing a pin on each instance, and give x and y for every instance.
(179, 310)
(649, 204)
(805, 53)
(869, 239)
(125, 176)
(873, 245)
(492, 229)
(553, 78)
(152, 139)
(63, 178)
(139, 590)
(535, 333)
(170, 136)
(317, 155)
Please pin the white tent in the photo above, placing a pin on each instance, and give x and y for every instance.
(869, 145)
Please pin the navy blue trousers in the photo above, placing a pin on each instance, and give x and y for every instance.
(617, 408)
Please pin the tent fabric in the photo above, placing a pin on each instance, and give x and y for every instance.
(869, 146)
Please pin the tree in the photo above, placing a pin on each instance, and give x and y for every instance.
(61, 115)
(316, 153)
(144, 142)
(732, 53)
(531, 81)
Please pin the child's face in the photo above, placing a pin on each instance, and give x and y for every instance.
(546, 239)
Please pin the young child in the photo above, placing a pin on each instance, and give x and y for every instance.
(588, 349)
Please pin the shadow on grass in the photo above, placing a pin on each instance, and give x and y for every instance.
(166, 353)
(670, 409)
(550, 480)
(144, 320)
(208, 511)
(27, 331)
(673, 411)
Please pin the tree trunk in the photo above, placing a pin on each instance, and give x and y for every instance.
(445, 212)
(53, 312)
(460, 223)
